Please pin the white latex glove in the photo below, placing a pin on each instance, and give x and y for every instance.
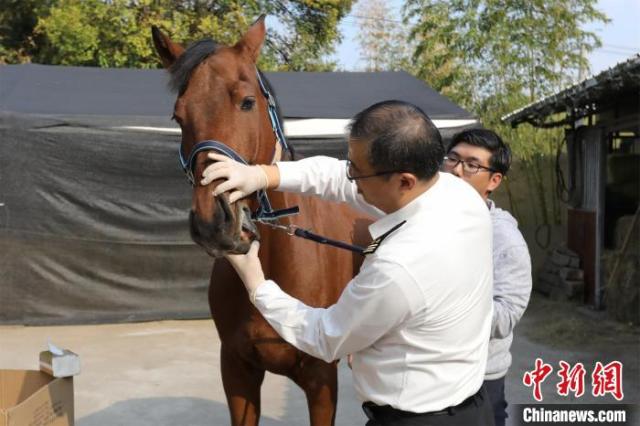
(241, 179)
(249, 269)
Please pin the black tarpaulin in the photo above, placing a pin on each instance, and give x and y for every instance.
(44, 89)
(93, 227)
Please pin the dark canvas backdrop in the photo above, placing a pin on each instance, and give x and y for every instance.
(93, 226)
(45, 89)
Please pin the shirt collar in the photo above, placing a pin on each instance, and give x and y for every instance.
(491, 204)
(387, 222)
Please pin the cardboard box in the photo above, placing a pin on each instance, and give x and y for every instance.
(34, 398)
(62, 364)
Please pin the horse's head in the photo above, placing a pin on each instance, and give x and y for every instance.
(219, 99)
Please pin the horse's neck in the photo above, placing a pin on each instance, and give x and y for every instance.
(296, 263)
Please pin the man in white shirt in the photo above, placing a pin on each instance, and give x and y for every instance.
(481, 158)
(417, 316)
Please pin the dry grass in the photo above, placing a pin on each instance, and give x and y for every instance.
(571, 325)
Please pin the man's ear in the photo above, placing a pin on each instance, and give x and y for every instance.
(252, 41)
(494, 181)
(167, 49)
(408, 181)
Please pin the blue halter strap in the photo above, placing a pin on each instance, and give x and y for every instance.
(272, 108)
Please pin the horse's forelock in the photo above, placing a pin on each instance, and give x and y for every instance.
(193, 56)
(182, 68)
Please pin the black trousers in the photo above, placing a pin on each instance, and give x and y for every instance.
(495, 389)
(474, 411)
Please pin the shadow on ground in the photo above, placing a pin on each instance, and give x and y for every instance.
(185, 411)
(166, 412)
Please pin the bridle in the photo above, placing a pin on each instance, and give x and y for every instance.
(264, 213)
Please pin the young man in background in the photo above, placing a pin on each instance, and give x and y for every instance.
(481, 158)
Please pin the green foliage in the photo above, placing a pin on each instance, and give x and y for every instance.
(494, 56)
(438, 58)
(501, 46)
(309, 32)
(383, 43)
(18, 19)
(116, 33)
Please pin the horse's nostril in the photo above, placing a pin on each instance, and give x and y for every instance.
(193, 227)
(227, 215)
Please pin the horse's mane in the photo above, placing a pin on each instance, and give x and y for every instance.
(193, 56)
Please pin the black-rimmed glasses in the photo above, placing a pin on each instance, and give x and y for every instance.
(468, 167)
(351, 177)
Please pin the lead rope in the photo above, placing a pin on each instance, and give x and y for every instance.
(295, 230)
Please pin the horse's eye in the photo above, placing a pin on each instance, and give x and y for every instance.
(247, 103)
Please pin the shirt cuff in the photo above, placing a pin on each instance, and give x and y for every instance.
(291, 174)
(262, 291)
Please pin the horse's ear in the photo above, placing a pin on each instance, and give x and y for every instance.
(251, 42)
(167, 49)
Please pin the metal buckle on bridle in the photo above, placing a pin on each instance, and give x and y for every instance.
(289, 229)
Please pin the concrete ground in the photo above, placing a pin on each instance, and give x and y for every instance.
(167, 372)
(158, 373)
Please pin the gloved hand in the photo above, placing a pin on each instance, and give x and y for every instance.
(242, 180)
(249, 269)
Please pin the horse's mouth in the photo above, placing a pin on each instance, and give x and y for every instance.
(248, 228)
(232, 232)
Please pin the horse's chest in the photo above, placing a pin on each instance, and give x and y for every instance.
(258, 343)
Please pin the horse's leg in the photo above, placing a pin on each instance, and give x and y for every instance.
(319, 381)
(241, 383)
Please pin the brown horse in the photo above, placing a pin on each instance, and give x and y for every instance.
(219, 98)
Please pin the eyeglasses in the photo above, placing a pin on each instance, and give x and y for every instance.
(469, 168)
(351, 177)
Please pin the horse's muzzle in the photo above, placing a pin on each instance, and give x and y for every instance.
(230, 232)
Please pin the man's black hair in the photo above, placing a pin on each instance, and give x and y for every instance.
(500, 153)
(401, 138)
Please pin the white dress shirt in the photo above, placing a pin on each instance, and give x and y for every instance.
(417, 317)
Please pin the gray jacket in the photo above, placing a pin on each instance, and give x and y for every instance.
(511, 288)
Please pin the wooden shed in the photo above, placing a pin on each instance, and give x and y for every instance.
(601, 118)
